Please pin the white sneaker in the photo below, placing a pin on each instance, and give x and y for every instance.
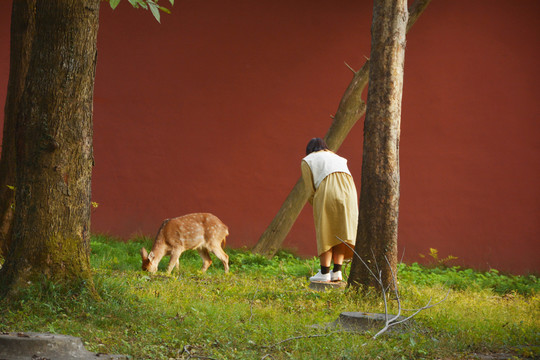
(320, 277)
(335, 276)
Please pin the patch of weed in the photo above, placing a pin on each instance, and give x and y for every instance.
(264, 309)
(461, 279)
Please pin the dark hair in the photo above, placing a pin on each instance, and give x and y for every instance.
(315, 144)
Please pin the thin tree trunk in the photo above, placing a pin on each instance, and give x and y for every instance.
(22, 31)
(379, 196)
(53, 140)
(350, 109)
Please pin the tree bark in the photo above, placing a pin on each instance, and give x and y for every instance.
(379, 196)
(53, 141)
(350, 109)
(22, 30)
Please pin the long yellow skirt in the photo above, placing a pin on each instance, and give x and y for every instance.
(335, 212)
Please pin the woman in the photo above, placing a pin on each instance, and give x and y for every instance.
(332, 194)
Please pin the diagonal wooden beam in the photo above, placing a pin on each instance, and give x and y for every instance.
(350, 109)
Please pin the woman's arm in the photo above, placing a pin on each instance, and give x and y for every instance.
(308, 181)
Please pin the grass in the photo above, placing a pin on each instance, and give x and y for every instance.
(247, 313)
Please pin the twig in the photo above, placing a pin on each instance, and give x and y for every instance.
(375, 261)
(186, 349)
(350, 68)
(360, 258)
(388, 322)
(425, 307)
(379, 271)
(393, 321)
(396, 290)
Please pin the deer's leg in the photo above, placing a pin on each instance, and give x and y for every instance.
(207, 261)
(221, 255)
(173, 262)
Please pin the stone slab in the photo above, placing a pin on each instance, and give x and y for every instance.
(322, 285)
(362, 321)
(43, 346)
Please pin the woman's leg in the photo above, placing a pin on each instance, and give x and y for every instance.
(326, 258)
(338, 253)
(324, 274)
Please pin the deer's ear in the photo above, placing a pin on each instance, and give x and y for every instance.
(151, 256)
(144, 253)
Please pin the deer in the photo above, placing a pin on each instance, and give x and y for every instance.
(203, 232)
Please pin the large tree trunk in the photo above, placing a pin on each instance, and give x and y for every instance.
(22, 32)
(53, 140)
(350, 109)
(379, 196)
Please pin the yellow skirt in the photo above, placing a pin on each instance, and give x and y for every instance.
(335, 212)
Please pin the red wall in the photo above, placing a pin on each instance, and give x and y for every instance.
(211, 111)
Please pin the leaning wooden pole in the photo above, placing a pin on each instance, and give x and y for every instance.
(350, 109)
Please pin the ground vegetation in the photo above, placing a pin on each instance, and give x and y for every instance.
(264, 309)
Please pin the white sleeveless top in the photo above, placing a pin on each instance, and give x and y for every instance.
(324, 163)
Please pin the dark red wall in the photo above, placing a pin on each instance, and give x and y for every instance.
(211, 111)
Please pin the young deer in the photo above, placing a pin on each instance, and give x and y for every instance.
(203, 232)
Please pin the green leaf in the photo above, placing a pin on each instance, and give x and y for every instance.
(154, 8)
(137, 3)
(114, 3)
(172, 2)
(164, 9)
(143, 4)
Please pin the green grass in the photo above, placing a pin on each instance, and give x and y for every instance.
(247, 313)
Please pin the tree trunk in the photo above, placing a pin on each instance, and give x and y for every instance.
(22, 31)
(379, 196)
(53, 141)
(350, 109)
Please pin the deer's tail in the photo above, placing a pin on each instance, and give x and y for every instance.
(224, 241)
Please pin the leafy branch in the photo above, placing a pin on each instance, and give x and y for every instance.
(151, 5)
(439, 262)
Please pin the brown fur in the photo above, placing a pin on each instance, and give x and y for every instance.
(203, 232)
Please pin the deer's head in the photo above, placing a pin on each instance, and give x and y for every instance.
(148, 261)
